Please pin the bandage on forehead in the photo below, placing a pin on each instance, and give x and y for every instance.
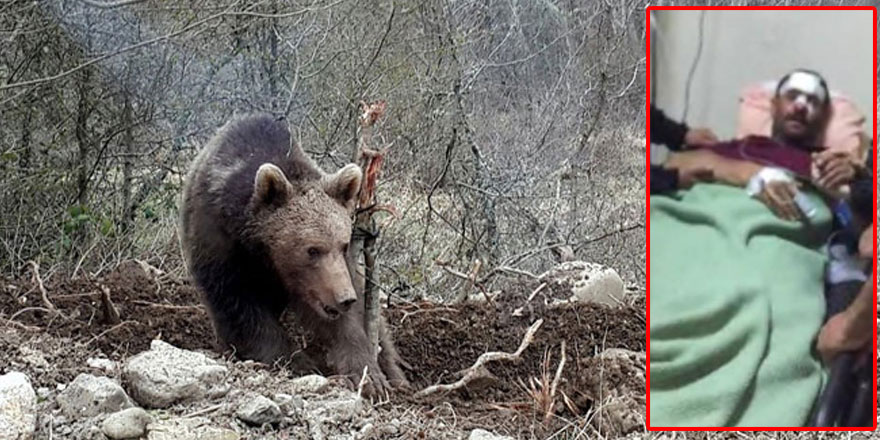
(804, 82)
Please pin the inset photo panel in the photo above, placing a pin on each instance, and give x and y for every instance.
(761, 218)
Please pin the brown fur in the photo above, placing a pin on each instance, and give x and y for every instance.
(263, 229)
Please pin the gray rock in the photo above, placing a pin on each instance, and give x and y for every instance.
(340, 408)
(311, 384)
(290, 405)
(125, 424)
(482, 434)
(189, 428)
(258, 411)
(34, 358)
(88, 396)
(18, 417)
(166, 374)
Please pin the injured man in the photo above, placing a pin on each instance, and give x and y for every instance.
(737, 273)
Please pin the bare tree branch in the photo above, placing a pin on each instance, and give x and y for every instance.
(110, 5)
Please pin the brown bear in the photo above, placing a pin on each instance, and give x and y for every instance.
(262, 230)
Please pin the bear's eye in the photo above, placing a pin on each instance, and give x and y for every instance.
(314, 252)
(344, 248)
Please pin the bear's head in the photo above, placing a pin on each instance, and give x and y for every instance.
(304, 229)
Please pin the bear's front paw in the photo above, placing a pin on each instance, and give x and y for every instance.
(373, 385)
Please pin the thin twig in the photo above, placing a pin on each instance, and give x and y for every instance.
(43, 293)
(362, 382)
(205, 410)
(427, 310)
(167, 306)
(535, 292)
(29, 309)
(555, 385)
(472, 372)
(516, 271)
(115, 327)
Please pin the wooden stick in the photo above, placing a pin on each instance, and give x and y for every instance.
(115, 327)
(554, 386)
(43, 293)
(167, 306)
(473, 372)
(111, 315)
(535, 292)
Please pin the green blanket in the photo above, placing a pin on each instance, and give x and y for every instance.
(736, 301)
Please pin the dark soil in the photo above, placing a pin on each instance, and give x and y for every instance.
(437, 341)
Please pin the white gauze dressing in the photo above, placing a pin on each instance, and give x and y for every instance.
(808, 84)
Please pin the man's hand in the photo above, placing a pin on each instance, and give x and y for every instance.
(779, 197)
(692, 166)
(697, 137)
(688, 177)
(832, 169)
(866, 243)
(837, 336)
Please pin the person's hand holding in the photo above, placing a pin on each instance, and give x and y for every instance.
(837, 336)
(866, 243)
(832, 169)
(698, 137)
(692, 166)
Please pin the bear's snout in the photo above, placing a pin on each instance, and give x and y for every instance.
(340, 307)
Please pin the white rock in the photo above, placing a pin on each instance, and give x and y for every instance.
(190, 428)
(88, 396)
(259, 410)
(18, 417)
(166, 374)
(589, 282)
(311, 384)
(44, 392)
(105, 365)
(125, 424)
(482, 434)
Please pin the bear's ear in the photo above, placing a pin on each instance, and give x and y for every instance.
(344, 185)
(271, 188)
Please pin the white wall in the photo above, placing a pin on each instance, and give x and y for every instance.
(744, 47)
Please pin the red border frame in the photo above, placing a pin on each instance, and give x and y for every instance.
(648, 208)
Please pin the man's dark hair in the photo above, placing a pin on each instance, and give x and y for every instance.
(809, 72)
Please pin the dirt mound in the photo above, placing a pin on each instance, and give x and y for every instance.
(438, 341)
(149, 307)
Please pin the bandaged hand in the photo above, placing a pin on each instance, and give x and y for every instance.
(776, 189)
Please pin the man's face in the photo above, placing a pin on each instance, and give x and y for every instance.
(800, 110)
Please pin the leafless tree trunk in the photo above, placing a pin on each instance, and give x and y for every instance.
(83, 138)
(127, 163)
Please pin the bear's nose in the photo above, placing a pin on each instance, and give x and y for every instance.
(345, 305)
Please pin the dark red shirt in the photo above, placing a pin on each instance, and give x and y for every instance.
(768, 152)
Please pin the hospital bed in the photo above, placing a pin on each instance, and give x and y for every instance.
(845, 400)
